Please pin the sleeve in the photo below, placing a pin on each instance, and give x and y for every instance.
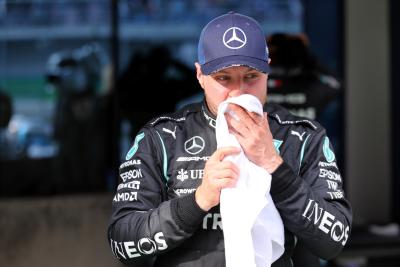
(144, 223)
(311, 202)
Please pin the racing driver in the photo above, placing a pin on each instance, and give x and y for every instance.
(166, 208)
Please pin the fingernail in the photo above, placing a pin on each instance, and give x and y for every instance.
(233, 115)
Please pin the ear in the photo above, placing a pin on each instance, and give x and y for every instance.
(199, 74)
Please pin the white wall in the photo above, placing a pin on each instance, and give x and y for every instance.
(368, 176)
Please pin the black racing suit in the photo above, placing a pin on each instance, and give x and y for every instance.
(156, 221)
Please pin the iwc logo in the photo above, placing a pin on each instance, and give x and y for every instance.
(234, 38)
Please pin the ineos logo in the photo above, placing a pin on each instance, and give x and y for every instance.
(194, 145)
(234, 38)
(147, 246)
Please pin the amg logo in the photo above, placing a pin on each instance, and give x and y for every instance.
(205, 158)
(326, 222)
(128, 196)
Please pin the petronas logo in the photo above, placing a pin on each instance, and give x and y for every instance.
(277, 144)
(135, 146)
(328, 153)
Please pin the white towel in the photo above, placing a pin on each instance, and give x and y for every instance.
(253, 229)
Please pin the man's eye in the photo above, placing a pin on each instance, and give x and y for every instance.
(251, 76)
(222, 78)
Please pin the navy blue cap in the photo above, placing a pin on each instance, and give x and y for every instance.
(232, 40)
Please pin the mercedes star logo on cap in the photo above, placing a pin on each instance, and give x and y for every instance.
(194, 145)
(234, 38)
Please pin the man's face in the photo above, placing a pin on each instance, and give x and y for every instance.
(231, 82)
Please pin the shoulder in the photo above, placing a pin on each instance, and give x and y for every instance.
(282, 118)
(177, 117)
(294, 136)
(163, 131)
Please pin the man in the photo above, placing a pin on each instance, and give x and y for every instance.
(166, 209)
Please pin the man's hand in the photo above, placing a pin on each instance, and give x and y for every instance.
(218, 174)
(254, 135)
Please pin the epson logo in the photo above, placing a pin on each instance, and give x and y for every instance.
(127, 196)
(324, 173)
(145, 246)
(132, 174)
(326, 222)
(131, 185)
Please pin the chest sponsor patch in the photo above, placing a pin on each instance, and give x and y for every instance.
(135, 146)
(277, 145)
(328, 153)
(190, 174)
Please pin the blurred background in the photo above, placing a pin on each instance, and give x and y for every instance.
(78, 78)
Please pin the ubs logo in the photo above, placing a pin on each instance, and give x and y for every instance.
(194, 145)
(234, 38)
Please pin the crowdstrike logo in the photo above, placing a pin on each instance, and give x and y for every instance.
(234, 38)
(183, 191)
(194, 145)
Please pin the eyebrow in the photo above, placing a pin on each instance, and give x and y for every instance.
(226, 72)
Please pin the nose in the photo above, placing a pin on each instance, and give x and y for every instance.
(237, 89)
(235, 92)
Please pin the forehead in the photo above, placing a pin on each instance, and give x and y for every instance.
(236, 69)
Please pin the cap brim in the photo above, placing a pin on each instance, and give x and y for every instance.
(230, 61)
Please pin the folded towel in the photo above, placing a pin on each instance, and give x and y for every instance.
(253, 229)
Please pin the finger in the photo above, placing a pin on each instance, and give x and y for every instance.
(225, 182)
(246, 118)
(226, 174)
(236, 127)
(256, 118)
(266, 120)
(229, 165)
(238, 113)
(222, 152)
(265, 115)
